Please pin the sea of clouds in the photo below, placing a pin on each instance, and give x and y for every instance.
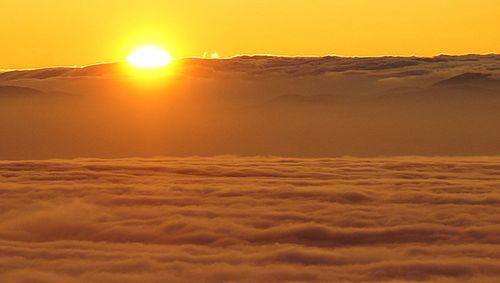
(256, 105)
(254, 219)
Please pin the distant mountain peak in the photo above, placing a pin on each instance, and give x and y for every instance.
(467, 78)
(18, 90)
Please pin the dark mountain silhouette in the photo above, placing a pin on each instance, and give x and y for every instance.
(470, 79)
(15, 91)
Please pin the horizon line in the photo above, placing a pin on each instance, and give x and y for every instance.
(253, 55)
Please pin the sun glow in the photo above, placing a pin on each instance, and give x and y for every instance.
(149, 57)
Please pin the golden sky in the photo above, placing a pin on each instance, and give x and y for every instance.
(37, 33)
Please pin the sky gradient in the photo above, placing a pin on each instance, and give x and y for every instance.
(48, 33)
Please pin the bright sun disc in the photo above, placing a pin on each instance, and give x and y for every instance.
(149, 57)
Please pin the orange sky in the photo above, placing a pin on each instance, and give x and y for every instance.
(38, 33)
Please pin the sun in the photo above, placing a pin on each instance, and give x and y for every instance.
(149, 57)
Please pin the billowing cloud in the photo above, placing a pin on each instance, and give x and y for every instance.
(229, 219)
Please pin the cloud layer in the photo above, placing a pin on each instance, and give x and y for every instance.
(230, 219)
(256, 105)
